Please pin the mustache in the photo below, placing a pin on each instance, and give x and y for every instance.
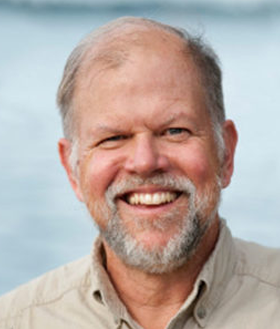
(167, 181)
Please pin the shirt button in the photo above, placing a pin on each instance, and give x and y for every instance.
(201, 312)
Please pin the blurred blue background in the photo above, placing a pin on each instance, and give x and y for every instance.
(42, 224)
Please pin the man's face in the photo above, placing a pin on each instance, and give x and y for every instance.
(148, 165)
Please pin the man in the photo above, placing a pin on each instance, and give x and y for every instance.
(147, 148)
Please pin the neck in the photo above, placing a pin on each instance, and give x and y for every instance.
(153, 299)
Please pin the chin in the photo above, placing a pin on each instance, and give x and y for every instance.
(154, 240)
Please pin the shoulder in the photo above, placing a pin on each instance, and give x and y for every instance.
(46, 288)
(258, 262)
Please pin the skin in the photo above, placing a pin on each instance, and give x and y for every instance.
(145, 117)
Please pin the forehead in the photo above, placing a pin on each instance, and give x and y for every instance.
(116, 49)
(154, 64)
(115, 52)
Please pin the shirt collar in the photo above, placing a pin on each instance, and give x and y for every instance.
(102, 289)
(206, 294)
(215, 276)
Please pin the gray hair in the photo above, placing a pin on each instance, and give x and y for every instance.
(98, 44)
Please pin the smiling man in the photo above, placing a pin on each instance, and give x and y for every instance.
(147, 148)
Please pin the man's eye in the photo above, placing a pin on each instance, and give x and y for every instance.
(176, 134)
(175, 131)
(112, 139)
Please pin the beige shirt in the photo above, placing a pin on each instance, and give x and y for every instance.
(238, 288)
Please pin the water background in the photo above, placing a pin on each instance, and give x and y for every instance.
(42, 224)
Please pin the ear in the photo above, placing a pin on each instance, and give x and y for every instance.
(230, 140)
(64, 149)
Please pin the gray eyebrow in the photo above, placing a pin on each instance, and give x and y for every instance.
(103, 127)
(106, 128)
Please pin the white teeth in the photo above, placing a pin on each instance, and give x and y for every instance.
(156, 198)
(151, 198)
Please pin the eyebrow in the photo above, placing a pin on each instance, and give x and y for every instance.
(104, 128)
(177, 116)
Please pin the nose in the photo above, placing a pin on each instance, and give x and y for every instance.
(146, 157)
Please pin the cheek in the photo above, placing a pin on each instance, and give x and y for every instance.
(97, 173)
(198, 165)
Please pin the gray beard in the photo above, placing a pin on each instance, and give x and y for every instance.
(181, 246)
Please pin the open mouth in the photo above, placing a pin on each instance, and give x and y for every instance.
(151, 199)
